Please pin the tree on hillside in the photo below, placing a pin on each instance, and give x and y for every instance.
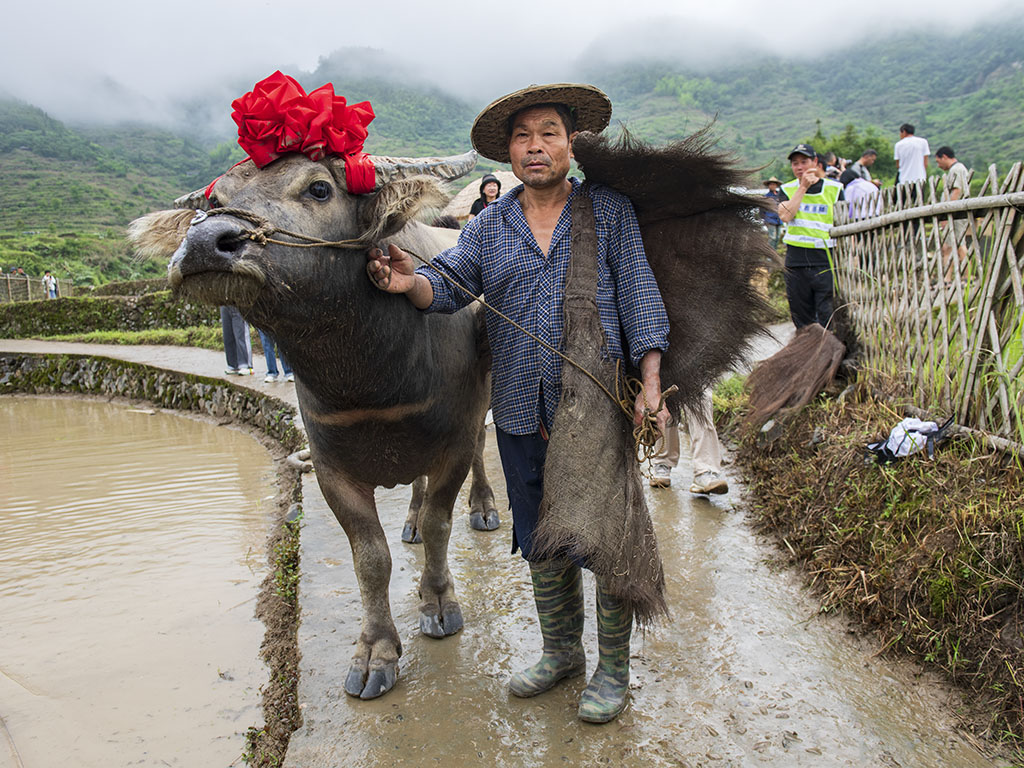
(851, 143)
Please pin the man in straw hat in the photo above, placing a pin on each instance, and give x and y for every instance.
(516, 253)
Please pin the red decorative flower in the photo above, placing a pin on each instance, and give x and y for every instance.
(278, 116)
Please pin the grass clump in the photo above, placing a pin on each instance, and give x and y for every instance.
(278, 608)
(727, 401)
(202, 336)
(929, 553)
(777, 295)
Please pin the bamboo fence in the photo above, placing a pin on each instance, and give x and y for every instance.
(26, 288)
(934, 291)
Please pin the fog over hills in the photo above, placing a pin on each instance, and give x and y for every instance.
(112, 60)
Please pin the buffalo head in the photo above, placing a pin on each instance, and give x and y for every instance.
(223, 257)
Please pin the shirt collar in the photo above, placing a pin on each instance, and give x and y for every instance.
(512, 212)
(512, 196)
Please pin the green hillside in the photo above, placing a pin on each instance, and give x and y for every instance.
(412, 120)
(966, 91)
(66, 195)
(86, 184)
(98, 179)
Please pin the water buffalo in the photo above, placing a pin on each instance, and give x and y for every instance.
(386, 393)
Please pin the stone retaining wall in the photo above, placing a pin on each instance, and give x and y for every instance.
(49, 374)
(103, 313)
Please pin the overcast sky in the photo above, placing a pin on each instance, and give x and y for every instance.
(111, 59)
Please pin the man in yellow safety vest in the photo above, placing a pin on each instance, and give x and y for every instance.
(806, 205)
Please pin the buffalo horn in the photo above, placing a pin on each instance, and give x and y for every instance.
(445, 168)
(196, 200)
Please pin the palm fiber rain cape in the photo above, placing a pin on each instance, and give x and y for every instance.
(704, 242)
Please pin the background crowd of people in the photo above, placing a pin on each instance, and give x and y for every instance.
(911, 154)
(805, 207)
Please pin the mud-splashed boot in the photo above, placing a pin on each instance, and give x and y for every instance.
(558, 591)
(605, 696)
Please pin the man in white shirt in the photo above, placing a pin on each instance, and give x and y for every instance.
(911, 153)
(49, 285)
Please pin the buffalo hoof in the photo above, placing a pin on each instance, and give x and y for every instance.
(411, 534)
(448, 623)
(485, 521)
(491, 519)
(370, 686)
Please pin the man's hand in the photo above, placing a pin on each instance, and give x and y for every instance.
(393, 272)
(811, 177)
(648, 399)
(649, 396)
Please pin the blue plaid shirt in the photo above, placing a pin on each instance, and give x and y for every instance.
(497, 256)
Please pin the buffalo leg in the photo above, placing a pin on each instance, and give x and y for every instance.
(374, 669)
(482, 512)
(411, 531)
(440, 614)
(483, 515)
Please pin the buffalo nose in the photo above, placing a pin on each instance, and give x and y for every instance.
(211, 244)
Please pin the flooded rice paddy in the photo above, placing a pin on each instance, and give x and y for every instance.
(131, 554)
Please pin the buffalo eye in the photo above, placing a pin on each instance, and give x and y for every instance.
(320, 190)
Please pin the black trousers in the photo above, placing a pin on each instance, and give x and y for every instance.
(522, 459)
(809, 291)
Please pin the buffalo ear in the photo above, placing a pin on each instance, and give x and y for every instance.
(158, 235)
(398, 202)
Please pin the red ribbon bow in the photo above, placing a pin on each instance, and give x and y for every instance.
(277, 116)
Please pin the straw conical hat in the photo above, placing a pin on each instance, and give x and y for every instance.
(590, 107)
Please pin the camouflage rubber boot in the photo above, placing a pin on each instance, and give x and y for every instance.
(558, 591)
(605, 696)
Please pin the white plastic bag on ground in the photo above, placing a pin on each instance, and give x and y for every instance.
(910, 436)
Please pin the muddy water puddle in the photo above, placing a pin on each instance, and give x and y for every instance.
(131, 554)
(746, 673)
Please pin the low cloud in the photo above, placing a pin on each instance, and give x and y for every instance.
(111, 60)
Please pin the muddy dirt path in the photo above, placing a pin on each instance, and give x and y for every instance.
(746, 673)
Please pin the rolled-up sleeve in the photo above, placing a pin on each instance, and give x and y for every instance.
(461, 264)
(641, 310)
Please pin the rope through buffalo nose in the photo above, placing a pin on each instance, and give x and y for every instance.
(262, 233)
(263, 230)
